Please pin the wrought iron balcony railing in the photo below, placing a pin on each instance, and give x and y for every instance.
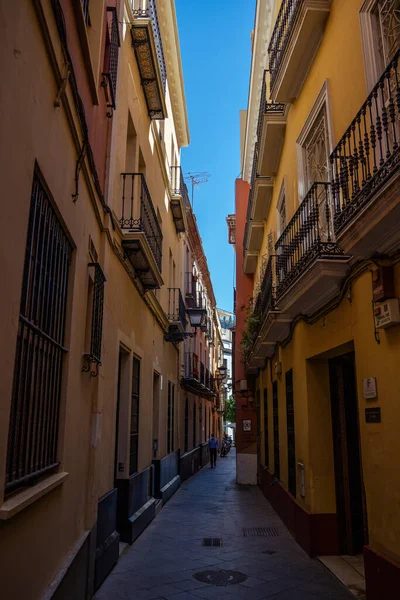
(202, 374)
(281, 34)
(192, 367)
(368, 154)
(176, 307)
(309, 235)
(138, 212)
(112, 50)
(266, 298)
(178, 185)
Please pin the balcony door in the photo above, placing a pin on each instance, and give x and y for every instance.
(350, 506)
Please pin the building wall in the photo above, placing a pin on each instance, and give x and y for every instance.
(345, 325)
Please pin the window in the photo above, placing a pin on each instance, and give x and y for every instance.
(290, 434)
(34, 418)
(95, 317)
(171, 418)
(314, 146)
(134, 435)
(194, 424)
(281, 215)
(186, 425)
(275, 407)
(111, 57)
(266, 442)
(201, 421)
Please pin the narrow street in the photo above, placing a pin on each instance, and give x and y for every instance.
(164, 561)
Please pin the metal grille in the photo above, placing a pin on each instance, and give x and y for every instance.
(275, 420)
(134, 433)
(143, 217)
(33, 432)
(113, 52)
(260, 532)
(281, 34)
(186, 425)
(94, 356)
(176, 307)
(171, 417)
(215, 542)
(220, 578)
(237, 488)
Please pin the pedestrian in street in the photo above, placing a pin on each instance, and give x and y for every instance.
(213, 446)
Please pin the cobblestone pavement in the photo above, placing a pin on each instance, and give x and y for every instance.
(163, 561)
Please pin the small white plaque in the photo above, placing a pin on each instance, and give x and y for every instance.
(370, 388)
(247, 425)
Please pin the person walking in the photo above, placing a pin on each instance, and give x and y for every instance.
(213, 446)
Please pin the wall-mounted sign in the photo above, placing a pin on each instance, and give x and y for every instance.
(373, 415)
(369, 385)
(246, 424)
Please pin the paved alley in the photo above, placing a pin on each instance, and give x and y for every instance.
(165, 560)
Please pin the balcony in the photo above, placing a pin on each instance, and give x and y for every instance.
(142, 236)
(366, 172)
(179, 200)
(109, 77)
(231, 222)
(295, 39)
(274, 325)
(176, 316)
(197, 378)
(310, 265)
(270, 133)
(194, 300)
(147, 45)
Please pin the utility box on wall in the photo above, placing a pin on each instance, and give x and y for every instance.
(382, 284)
(387, 314)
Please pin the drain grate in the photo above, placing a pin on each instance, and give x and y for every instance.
(215, 542)
(260, 532)
(237, 489)
(220, 578)
(270, 552)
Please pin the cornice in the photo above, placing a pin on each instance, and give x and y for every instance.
(172, 54)
(262, 32)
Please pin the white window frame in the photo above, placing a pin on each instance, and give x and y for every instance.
(323, 100)
(372, 67)
(281, 201)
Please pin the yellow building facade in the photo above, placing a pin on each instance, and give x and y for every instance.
(96, 252)
(321, 154)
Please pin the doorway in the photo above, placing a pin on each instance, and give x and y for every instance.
(350, 507)
(156, 413)
(122, 400)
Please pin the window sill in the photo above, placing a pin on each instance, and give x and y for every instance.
(27, 496)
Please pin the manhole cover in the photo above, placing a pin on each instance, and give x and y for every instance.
(237, 489)
(220, 578)
(212, 542)
(260, 531)
(270, 552)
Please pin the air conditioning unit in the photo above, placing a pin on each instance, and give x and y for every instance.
(387, 313)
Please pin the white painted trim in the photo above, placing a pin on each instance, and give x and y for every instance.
(371, 67)
(323, 99)
(281, 200)
(265, 11)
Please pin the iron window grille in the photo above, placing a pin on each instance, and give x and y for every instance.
(275, 418)
(94, 355)
(194, 424)
(201, 421)
(134, 429)
(186, 425)
(266, 440)
(111, 56)
(171, 418)
(34, 418)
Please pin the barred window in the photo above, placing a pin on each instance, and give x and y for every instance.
(34, 418)
(186, 425)
(194, 424)
(275, 419)
(95, 318)
(134, 435)
(171, 418)
(266, 441)
(201, 421)
(111, 55)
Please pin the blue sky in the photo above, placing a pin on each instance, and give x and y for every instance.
(215, 48)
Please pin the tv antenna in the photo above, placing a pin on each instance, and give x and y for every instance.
(196, 179)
